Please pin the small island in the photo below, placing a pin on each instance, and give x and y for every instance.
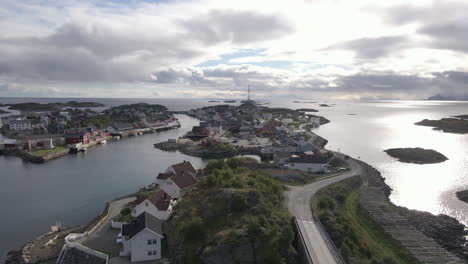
(462, 195)
(325, 105)
(457, 124)
(37, 107)
(416, 155)
(307, 110)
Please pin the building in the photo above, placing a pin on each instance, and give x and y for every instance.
(159, 204)
(183, 167)
(20, 125)
(141, 238)
(177, 184)
(77, 136)
(308, 163)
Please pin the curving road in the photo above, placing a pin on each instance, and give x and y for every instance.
(298, 202)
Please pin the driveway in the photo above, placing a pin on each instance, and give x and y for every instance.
(103, 238)
(298, 202)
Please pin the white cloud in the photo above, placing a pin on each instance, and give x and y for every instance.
(325, 47)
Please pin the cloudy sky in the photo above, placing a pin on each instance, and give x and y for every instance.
(213, 49)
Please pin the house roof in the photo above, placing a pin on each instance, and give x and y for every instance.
(184, 180)
(161, 200)
(123, 126)
(139, 223)
(164, 176)
(185, 166)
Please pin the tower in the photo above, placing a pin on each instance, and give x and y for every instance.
(248, 93)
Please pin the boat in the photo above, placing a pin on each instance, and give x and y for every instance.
(103, 141)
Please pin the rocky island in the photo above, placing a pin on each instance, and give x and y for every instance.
(462, 195)
(416, 155)
(36, 107)
(457, 124)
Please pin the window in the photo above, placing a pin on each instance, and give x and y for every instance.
(149, 241)
(154, 252)
(150, 253)
(155, 241)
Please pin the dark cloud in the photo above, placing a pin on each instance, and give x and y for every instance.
(373, 48)
(238, 27)
(451, 36)
(103, 52)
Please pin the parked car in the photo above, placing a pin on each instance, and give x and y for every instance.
(119, 239)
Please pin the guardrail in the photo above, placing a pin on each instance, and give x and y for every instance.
(333, 249)
(307, 256)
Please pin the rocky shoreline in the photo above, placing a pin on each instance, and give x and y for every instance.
(416, 155)
(445, 230)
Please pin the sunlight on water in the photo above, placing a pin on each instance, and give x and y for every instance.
(377, 126)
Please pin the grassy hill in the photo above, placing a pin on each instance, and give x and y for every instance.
(233, 215)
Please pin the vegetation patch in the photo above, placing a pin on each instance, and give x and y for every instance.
(124, 216)
(357, 237)
(233, 215)
(45, 152)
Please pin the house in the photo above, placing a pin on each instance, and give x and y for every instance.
(20, 125)
(308, 163)
(141, 238)
(315, 121)
(159, 204)
(77, 136)
(185, 166)
(176, 185)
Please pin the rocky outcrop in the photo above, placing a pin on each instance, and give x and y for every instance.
(416, 155)
(463, 195)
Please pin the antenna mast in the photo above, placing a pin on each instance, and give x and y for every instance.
(248, 94)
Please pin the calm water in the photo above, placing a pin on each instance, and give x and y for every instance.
(74, 189)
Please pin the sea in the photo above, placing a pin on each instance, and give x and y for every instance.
(74, 189)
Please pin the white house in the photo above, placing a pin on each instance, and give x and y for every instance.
(176, 185)
(142, 238)
(308, 163)
(159, 204)
(315, 121)
(185, 166)
(20, 125)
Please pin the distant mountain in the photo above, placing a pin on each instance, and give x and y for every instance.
(439, 97)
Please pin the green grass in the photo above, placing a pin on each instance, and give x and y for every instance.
(359, 239)
(45, 152)
(123, 218)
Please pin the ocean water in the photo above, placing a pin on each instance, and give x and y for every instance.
(74, 189)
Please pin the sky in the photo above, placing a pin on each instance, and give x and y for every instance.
(333, 49)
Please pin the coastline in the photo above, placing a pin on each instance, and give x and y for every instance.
(441, 228)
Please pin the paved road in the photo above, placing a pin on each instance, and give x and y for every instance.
(298, 201)
(104, 236)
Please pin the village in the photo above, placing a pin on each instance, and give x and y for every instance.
(38, 135)
(280, 136)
